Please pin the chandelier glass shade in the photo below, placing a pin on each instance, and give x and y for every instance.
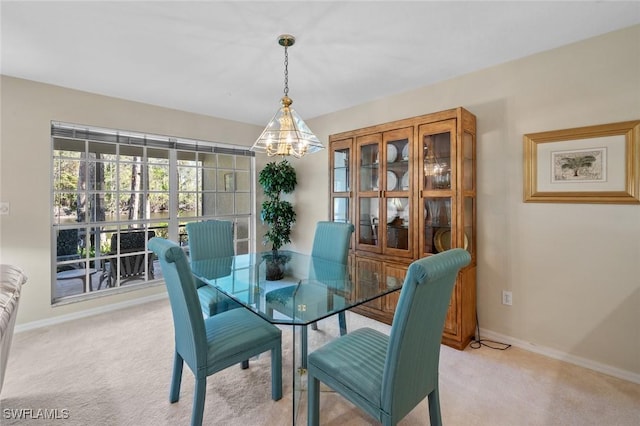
(287, 134)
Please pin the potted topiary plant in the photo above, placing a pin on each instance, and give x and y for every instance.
(277, 179)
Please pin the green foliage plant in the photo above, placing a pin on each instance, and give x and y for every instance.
(277, 179)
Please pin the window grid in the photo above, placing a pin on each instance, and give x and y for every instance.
(110, 198)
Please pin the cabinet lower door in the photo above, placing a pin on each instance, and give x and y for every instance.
(368, 273)
(394, 274)
(451, 320)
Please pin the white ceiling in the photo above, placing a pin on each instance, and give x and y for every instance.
(223, 59)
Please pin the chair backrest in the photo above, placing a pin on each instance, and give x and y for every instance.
(413, 355)
(331, 241)
(210, 239)
(330, 252)
(188, 323)
(132, 266)
(131, 241)
(67, 242)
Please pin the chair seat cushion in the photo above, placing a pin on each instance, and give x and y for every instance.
(355, 361)
(213, 302)
(315, 296)
(281, 296)
(236, 332)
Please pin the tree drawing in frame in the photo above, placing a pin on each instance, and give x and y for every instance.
(612, 178)
(589, 165)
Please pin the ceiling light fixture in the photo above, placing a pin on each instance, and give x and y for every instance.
(286, 133)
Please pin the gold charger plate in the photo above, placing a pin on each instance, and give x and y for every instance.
(442, 240)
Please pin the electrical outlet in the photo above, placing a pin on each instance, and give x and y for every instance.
(506, 298)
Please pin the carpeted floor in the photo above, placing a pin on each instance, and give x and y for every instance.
(115, 368)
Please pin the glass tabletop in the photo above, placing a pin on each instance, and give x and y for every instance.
(311, 288)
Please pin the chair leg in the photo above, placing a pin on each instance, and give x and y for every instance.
(198, 401)
(303, 345)
(434, 408)
(313, 401)
(174, 394)
(245, 364)
(342, 320)
(276, 372)
(314, 325)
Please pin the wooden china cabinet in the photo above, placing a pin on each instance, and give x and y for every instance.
(409, 188)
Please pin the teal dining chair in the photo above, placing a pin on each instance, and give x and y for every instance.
(388, 375)
(330, 248)
(329, 255)
(210, 345)
(211, 239)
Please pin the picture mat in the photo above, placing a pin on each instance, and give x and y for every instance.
(615, 146)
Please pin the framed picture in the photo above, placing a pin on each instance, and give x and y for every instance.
(594, 164)
(228, 182)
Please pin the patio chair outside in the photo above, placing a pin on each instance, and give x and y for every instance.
(132, 267)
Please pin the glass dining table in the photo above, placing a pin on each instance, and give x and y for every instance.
(311, 289)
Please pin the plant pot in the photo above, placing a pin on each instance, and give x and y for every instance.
(275, 270)
(275, 266)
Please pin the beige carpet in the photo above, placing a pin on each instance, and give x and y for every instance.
(114, 369)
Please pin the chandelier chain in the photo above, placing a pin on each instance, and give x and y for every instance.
(286, 71)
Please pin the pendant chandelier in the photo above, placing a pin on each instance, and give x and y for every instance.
(287, 134)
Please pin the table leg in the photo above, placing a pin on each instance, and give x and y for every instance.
(303, 347)
(299, 359)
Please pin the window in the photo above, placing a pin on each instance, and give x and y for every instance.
(113, 190)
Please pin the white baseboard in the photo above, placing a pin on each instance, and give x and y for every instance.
(88, 312)
(562, 356)
(485, 334)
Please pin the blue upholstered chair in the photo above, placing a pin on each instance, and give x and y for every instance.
(207, 240)
(387, 376)
(329, 256)
(330, 249)
(213, 344)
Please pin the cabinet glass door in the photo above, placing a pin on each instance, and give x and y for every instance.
(341, 170)
(396, 170)
(437, 230)
(437, 161)
(437, 187)
(341, 180)
(369, 184)
(369, 175)
(468, 178)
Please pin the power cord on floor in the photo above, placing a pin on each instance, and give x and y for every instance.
(479, 342)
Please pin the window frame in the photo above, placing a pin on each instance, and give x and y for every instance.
(94, 260)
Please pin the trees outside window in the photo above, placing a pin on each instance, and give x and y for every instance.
(113, 191)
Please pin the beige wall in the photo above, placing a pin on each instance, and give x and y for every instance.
(574, 269)
(25, 158)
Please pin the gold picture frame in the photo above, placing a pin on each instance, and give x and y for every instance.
(593, 164)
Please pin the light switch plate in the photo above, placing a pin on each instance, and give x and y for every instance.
(4, 207)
